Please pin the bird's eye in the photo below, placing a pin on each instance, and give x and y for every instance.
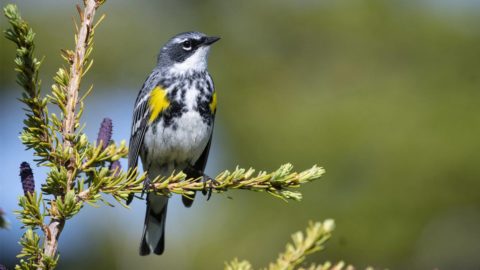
(187, 45)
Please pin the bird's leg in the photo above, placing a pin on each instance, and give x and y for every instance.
(147, 183)
(195, 173)
(205, 178)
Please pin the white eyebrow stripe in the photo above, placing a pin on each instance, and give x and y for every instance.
(179, 40)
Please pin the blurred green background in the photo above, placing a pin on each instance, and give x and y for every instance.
(383, 94)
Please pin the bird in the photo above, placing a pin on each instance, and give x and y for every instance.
(172, 125)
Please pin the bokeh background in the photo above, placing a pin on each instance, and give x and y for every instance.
(383, 94)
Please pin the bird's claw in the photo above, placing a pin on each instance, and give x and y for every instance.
(147, 184)
(191, 171)
(211, 184)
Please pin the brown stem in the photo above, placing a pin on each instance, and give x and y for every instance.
(52, 234)
(76, 71)
(55, 227)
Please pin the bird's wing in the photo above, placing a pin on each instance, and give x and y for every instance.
(141, 114)
(202, 161)
(139, 126)
(151, 101)
(199, 166)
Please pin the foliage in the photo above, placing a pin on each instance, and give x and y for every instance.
(303, 244)
(313, 240)
(36, 133)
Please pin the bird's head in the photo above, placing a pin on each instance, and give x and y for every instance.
(185, 53)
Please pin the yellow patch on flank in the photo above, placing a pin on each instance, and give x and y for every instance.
(213, 104)
(157, 103)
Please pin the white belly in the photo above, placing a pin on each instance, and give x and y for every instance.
(173, 148)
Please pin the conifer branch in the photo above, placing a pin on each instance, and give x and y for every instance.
(70, 85)
(278, 183)
(311, 241)
(78, 59)
(41, 129)
(36, 133)
(304, 244)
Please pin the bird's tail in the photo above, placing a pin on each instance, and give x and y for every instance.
(153, 237)
(188, 201)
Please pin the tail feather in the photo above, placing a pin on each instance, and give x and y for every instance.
(153, 237)
(144, 249)
(187, 202)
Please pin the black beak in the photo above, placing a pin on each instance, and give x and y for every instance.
(211, 40)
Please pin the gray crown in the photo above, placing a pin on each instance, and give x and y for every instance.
(182, 46)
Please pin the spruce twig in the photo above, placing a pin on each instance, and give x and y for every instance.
(304, 244)
(278, 183)
(36, 133)
(313, 240)
(40, 133)
(78, 64)
(70, 86)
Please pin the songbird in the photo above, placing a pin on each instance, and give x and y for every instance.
(172, 124)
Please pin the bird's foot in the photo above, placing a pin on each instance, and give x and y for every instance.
(211, 184)
(194, 173)
(147, 184)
